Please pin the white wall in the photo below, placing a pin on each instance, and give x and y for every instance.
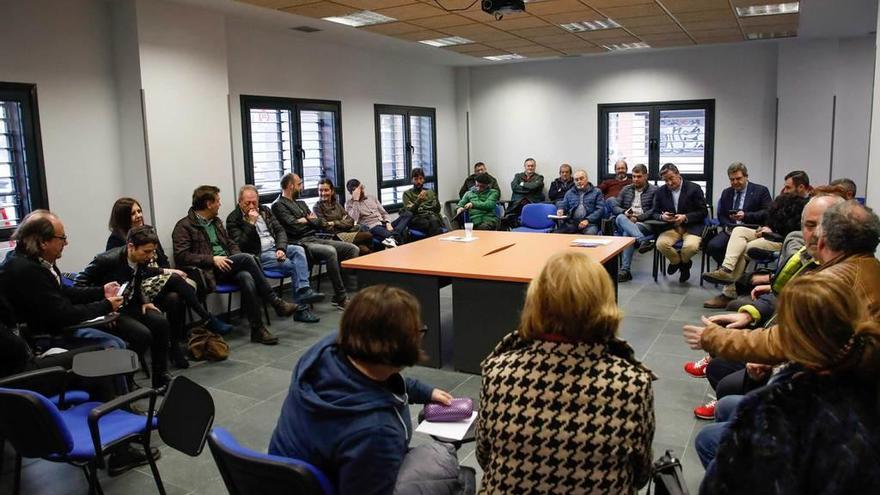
(184, 77)
(811, 74)
(64, 48)
(873, 189)
(549, 110)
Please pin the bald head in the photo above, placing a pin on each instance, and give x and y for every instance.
(811, 217)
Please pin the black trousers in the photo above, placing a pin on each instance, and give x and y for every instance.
(249, 276)
(717, 246)
(430, 224)
(144, 331)
(173, 299)
(730, 378)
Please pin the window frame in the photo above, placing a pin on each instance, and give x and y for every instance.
(407, 112)
(654, 109)
(30, 185)
(294, 105)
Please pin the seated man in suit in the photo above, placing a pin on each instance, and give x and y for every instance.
(32, 284)
(256, 231)
(584, 206)
(612, 187)
(562, 184)
(471, 181)
(632, 207)
(743, 202)
(422, 203)
(681, 206)
(480, 204)
(201, 241)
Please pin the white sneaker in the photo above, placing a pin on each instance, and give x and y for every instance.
(389, 242)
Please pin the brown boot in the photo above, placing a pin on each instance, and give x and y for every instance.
(283, 308)
(718, 302)
(261, 335)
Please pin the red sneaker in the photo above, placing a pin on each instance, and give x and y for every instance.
(706, 411)
(697, 369)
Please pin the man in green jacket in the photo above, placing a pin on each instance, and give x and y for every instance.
(422, 203)
(480, 204)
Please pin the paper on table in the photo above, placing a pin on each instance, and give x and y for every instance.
(557, 217)
(453, 431)
(458, 238)
(584, 242)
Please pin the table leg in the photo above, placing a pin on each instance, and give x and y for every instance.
(483, 311)
(427, 290)
(611, 267)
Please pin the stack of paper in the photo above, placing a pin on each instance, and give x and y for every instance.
(455, 430)
(584, 242)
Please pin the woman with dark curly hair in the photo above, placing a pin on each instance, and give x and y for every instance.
(337, 221)
(170, 291)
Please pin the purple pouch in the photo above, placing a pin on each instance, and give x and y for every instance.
(459, 410)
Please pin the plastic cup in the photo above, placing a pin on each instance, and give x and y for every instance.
(468, 230)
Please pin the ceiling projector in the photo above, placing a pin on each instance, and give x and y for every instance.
(500, 7)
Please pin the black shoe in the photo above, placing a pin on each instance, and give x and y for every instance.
(672, 268)
(624, 276)
(305, 316)
(307, 296)
(646, 246)
(178, 356)
(685, 271)
(129, 457)
(160, 380)
(340, 301)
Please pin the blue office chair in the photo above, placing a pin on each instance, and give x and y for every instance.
(246, 472)
(416, 234)
(534, 218)
(80, 436)
(232, 288)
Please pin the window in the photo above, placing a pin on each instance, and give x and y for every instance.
(283, 135)
(405, 139)
(657, 133)
(22, 177)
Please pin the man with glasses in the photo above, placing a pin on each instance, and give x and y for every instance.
(681, 207)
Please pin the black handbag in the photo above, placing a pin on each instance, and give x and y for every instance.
(667, 478)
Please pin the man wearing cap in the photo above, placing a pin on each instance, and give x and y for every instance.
(480, 203)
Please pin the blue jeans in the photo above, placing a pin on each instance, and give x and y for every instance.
(709, 437)
(295, 266)
(93, 336)
(630, 229)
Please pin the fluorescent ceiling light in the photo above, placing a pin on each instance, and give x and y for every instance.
(767, 36)
(579, 27)
(362, 18)
(626, 46)
(452, 40)
(509, 56)
(769, 9)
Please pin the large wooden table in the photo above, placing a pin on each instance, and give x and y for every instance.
(489, 277)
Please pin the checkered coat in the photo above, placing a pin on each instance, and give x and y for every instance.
(559, 417)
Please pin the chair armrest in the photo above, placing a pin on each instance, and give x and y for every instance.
(773, 237)
(115, 404)
(55, 375)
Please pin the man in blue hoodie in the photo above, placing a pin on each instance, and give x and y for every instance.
(347, 410)
(584, 205)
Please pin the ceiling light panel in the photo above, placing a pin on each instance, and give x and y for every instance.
(769, 9)
(452, 40)
(597, 25)
(626, 46)
(359, 19)
(510, 56)
(767, 36)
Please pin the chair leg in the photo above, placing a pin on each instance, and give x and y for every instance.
(655, 265)
(266, 312)
(95, 483)
(156, 476)
(144, 366)
(320, 266)
(229, 308)
(16, 483)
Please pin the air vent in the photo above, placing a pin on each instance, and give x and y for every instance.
(305, 29)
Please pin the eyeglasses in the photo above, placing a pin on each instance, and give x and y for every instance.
(423, 330)
(62, 237)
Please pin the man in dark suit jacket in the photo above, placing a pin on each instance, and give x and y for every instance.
(750, 202)
(681, 205)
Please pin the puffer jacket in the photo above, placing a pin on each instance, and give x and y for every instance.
(593, 200)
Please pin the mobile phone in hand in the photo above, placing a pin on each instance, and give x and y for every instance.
(121, 289)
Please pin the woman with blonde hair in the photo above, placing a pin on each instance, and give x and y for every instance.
(819, 430)
(565, 406)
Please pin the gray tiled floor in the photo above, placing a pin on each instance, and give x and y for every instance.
(248, 390)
